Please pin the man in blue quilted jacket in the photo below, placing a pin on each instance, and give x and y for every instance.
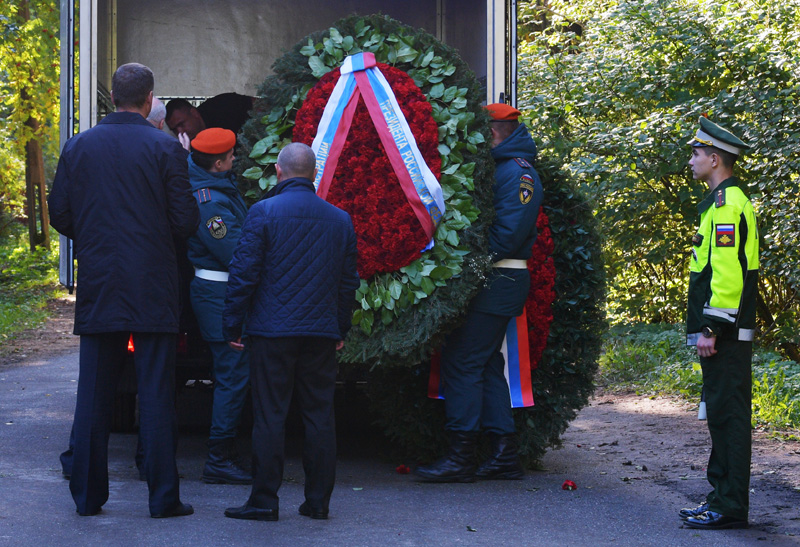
(293, 275)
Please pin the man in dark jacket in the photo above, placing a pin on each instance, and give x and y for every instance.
(294, 277)
(475, 388)
(121, 192)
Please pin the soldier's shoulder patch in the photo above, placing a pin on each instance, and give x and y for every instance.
(216, 227)
(725, 235)
(522, 162)
(203, 195)
(526, 183)
(719, 197)
(697, 240)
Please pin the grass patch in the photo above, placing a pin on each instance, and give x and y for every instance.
(27, 280)
(655, 359)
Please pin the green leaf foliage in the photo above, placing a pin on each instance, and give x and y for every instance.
(29, 94)
(616, 88)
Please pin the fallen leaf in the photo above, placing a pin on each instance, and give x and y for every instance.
(357, 489)
(471, 529)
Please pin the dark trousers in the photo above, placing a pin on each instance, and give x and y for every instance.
(727, 384)
(279, 367)
(101, 361)
(475, 389)
(231, 376)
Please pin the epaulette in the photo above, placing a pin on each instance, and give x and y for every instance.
(522, 162)
(203, 195)
(719, 197)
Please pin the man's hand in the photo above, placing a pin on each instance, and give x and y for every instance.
(705, 346)
(185, 141)
(236, 345)
(339, 345)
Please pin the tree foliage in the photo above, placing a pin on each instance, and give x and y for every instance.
(615, 90)
(29, 93)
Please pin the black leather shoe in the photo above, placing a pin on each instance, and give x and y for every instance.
(307, 511)
(504, 462)
(688, 512)
(458, 465)
(221, 466)
(180, 510)
(711, 520)
(90, 513)
(248, 512)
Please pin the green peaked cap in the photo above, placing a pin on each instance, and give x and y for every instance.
(711, 134)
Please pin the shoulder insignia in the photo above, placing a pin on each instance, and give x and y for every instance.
(216, 226)
(697, 240)
(719, 197)
(203, 195)
(725, 235)
(525, 189)
(522, 162)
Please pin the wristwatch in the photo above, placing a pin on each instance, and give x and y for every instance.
(708, 333)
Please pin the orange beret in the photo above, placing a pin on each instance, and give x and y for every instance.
(502, 112)
(214, 141)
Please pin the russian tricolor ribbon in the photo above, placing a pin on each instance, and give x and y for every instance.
(360, 77)
(516, 353)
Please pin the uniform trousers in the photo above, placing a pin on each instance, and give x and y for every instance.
(231, 376)
(727, 384)
(101, 360)
(278, 367)
(475, 388)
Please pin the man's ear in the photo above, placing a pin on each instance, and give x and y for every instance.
(279, 172)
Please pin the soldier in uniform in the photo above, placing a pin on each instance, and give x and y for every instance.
(222, 213)
(720, 321)
(475, 389)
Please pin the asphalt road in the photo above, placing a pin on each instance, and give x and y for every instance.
(372, 503)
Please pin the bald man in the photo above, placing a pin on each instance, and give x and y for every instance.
(293, 275)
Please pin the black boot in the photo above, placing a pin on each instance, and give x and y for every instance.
(221, 468)
(459, 463)
(504, 462)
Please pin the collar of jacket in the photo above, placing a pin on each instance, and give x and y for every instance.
(200, 178)
(519, 144)
(708, 201)
(125, 117)
(292, 185)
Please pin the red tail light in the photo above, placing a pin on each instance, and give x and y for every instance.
(183, 343)
(130, 344)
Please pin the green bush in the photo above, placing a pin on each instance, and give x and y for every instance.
(27, 280)
(616, 89)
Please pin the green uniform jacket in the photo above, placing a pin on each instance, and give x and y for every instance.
(723, 279)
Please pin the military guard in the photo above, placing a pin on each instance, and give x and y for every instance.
(475, 389)
(222, 213)
(720, 321)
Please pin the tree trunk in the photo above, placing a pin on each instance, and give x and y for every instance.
(35, 183)
(791, 351)
(36, 192)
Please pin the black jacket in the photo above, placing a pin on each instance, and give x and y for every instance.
(121, 192)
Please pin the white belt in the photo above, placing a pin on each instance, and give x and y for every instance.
(211, 275)
(514, 263)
